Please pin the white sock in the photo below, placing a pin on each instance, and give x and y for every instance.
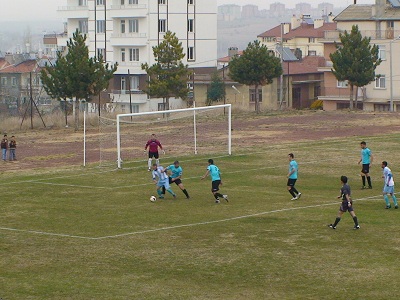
(157, 162)
(149, 163)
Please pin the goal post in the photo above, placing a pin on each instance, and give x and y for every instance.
(210, 133)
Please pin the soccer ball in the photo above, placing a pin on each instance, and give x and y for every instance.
(153, 199)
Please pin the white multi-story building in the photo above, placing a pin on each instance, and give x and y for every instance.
(125, 31)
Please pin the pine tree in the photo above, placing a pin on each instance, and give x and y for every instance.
(77, 75)
(216, 91)
(168, 75)
(355, 60)
(256, 66)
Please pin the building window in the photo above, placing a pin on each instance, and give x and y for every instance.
(82, 3)
(99, 2)
(190, 1)
(83, 26)
(101, 52)
(190, 53)
(390, 24)
(133, 2)
(123, 26)
(3, 81)
(134, 108)
(162, 25)
(161, 106)
(133, 54)
(13, 81)
(162, 1)
(380, 82)
(101, 26)
(190, 25)
(342, 84)
(252, 94)
(382, 52)
(311, 40)
(134, 83)
(123, 83)
(312, 53)
(123, 54)
(134, 25)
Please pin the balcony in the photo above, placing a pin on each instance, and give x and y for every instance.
(126, 96)
(74, 12)
(129, 39)
(129, 11)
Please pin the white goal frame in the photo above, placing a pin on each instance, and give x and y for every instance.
(194, 109)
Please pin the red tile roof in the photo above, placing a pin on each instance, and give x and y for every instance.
(304, 30)
(24, 67)
(226, 59)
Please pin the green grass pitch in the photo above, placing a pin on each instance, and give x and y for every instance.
(93, 233)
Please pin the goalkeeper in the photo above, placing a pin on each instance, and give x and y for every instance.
(153, 144)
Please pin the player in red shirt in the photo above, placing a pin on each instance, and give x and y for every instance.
(153, 144)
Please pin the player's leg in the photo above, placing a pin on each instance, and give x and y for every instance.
(386, 198)
(150, 161)
(290, 186)
(156, 156)
(394, 200)
(353, 214)
(337, 220)
(159, 190)
(369, 180)
(168, 188)
(363, 180)
(180, 184)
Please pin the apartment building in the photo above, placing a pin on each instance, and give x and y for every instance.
(125, 31)
(380, 22)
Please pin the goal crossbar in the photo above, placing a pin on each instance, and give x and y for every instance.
(194, 109)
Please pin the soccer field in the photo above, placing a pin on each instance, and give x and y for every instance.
(92, 233)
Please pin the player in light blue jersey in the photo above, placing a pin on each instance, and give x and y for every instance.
(215, 174)
(292, 177)
(366, 160)
(176, 176)
(160, 178)
(388, 186)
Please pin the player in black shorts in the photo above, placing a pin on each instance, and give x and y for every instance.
(347, 204)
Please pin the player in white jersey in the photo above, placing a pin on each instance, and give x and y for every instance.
(160, 178)
(388, 186)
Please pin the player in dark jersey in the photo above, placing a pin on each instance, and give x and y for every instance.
(153, 144)
(347, 204)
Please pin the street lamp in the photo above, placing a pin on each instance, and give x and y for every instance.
(391, 73)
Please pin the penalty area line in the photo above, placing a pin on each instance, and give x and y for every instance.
(180, 226)
(227, 219)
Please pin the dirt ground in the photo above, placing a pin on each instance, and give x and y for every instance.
(49, 148)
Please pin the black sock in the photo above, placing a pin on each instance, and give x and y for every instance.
(336, 222)
(294, 190)
(369, 181)
(292, 193)
(216, 197)
(355, 220)
(163, 190)
(363, 180)
(186, 193)
(219, 195)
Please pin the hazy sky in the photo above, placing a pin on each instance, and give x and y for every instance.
(19, 10)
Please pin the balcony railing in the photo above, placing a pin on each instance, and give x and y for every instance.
(389, 33)
(129, 6)
(72, 8)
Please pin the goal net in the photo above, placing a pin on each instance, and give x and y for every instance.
(200, 130)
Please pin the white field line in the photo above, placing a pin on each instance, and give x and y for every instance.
(41, 181)
(183, 225)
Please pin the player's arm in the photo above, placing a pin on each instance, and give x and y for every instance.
(292, 170)
(371, 159)
(348, 199)
(205, 175)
